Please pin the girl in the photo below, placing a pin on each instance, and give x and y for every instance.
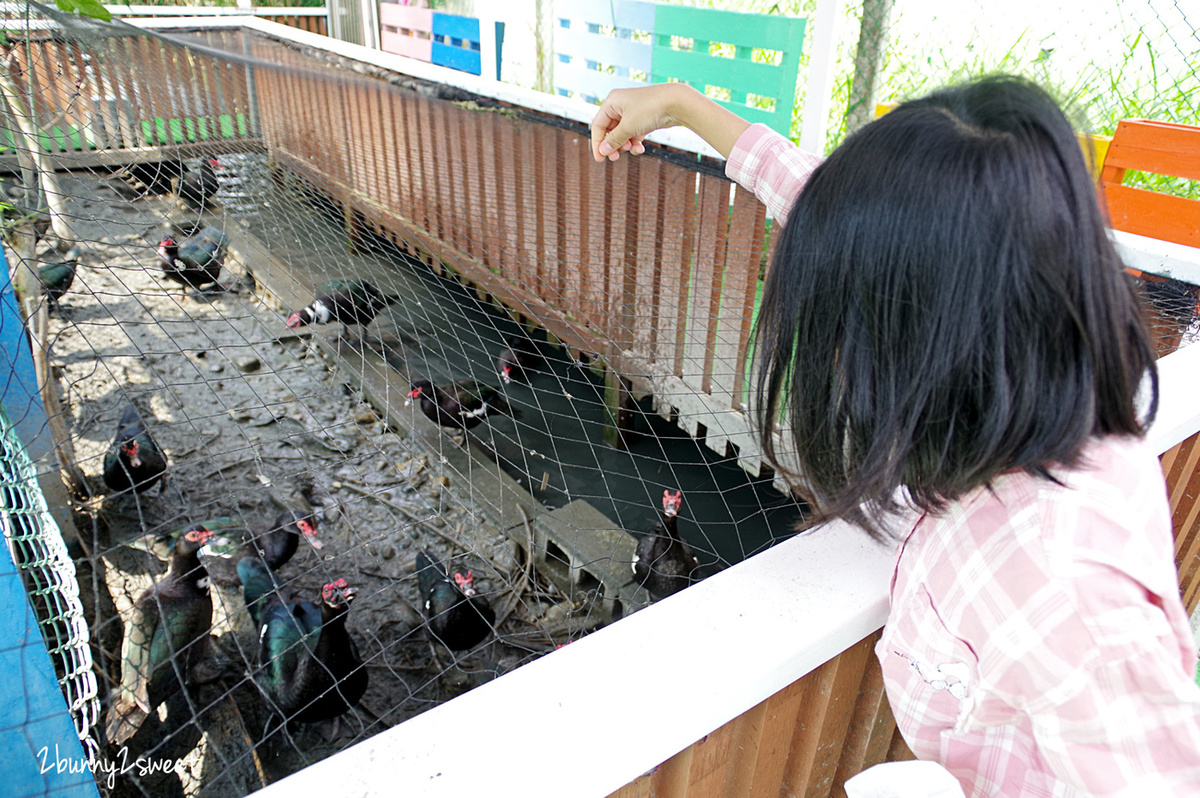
(956, 353)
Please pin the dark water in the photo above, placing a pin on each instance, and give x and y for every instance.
(556, 447)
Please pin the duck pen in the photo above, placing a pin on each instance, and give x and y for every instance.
(300, 450)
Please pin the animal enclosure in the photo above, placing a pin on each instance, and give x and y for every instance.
(630, 288)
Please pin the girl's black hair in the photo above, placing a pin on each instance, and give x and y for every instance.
(944, 305)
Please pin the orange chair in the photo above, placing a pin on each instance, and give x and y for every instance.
(1162, 148)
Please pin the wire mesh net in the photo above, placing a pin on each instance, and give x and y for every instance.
(38, 550)
(399, 366)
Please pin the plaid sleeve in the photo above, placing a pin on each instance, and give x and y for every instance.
(1109, 695)
(766, 163)
(1132, 726)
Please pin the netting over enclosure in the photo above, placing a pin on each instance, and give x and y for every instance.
(329, 175)
(425, 391)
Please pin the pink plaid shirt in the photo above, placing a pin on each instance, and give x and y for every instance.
(772, 167)
(1037, 644)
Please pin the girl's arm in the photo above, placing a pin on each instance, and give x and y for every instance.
(627, 116)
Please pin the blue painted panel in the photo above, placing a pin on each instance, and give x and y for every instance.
(456, 43)
(591, 63)
(456, 58)
(453, 26)
(18, 381)
(42, 753)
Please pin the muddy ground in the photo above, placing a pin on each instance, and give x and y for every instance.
(253, 419)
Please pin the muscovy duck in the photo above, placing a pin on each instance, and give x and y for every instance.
(460, 405)
(455, 613)
(197, 261)
(310, 668)
(134, 460)
(165, 635)
(664, 563)
(344, 301)
(155, 177)
(57, 278)
(197, 186)
(274, 545)
(519, 357)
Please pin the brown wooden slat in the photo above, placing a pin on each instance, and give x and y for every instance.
(646, 281)
(780, 722)
(737, 298)
(457, 164)
(120, 64)
(101, 81)
(390, 152)
(870, 730)
(573, 221)
(670, 779)
(706, 282)
(408, 168)
(626, 334)
(1180, 467)
(490, 211)
(818, 745)
(550, 229)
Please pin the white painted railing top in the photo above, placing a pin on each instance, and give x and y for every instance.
(121, 10)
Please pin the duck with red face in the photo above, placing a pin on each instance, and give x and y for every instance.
(134, 460)
(309, 666)
(664, 562)
(456, 614)
(166, 633)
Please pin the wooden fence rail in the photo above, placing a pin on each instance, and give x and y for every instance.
(123, 95)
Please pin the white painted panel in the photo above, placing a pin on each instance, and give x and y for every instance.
(628, 14)
(589, 82)
(603, 49)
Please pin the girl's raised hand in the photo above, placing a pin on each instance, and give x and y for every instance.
(627, 116)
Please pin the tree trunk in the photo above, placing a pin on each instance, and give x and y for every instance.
(868, 62)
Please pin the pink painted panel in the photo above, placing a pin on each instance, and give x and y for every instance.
(406, 30)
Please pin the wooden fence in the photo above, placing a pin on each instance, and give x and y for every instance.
(122, 98)
(515, 205)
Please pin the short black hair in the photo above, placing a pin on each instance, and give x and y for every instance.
(945, 305)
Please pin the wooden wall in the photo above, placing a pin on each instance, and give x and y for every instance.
(1181, 465)
(312, 24)
(126, 92)
(804, 741)
(650, 263)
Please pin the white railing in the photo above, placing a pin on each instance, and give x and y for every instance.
(122, 10)
(593, 716)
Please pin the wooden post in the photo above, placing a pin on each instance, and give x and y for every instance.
(618, 409)
(26, 132)
(868, 60)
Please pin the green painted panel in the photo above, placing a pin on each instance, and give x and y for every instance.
(739, 75)
(769, 31)
(735, 74)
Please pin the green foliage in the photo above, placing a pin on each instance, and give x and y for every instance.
(87, 8)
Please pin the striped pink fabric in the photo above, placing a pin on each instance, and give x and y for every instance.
(772, 167)
(1037, 643)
